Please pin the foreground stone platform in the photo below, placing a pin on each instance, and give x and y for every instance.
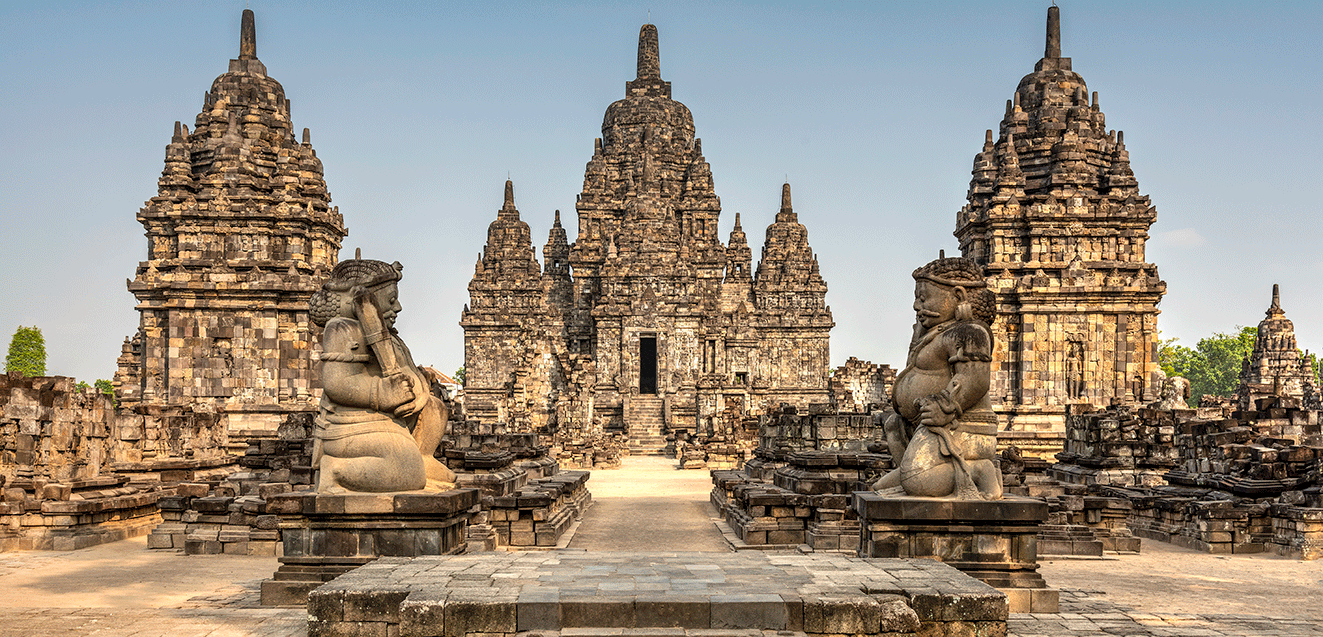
(502, 594)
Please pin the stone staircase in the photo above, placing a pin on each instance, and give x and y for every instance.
(645, 419)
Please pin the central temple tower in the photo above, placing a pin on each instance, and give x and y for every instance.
(647, 321)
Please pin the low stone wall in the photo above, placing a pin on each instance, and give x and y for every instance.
(538, 514)
(805, 503)
(601, 451)
(76, 514)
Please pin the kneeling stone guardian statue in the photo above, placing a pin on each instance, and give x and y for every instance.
(942, 432)
(378, 426)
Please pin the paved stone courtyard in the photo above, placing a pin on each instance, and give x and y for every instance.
(123, 589)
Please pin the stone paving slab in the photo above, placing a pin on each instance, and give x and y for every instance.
(509, 593)
(1084, 615)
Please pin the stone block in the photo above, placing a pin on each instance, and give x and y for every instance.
(766, 612)
(596, 612)
(192, 490)
(537, 610)
(464, 616)
(379, 603)
(841, 615)
(671, 611)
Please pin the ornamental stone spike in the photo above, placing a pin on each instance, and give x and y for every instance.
(248, 36)
(1053, 49)
(785, 198)
(649, 61)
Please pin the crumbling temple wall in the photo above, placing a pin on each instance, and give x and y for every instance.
(239, 236)
(70, 463)
(647, 324)
(1055, 216)
(862, 387)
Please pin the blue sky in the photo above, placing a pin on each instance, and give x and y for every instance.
(874, 111)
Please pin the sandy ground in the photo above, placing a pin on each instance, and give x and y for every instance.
(1165, 578)
(649, 505)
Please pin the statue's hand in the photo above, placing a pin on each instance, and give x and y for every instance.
(397, 389)
(931, 414)
(414, 406)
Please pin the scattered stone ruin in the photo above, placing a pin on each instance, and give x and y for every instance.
(239, 236)
(796, 489)
(647, 324)
(1055, 216)
(862, 387)
(1240, 477)
(76, 472)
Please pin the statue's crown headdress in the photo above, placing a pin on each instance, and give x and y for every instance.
(955, 271)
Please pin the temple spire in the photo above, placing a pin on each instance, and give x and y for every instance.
(785, 198)
(649, 64)
(248, 36)
(1276, 308)
(1053, 49)
(509, 194)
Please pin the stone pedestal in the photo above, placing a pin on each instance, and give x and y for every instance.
(994, 541)
(325, 536)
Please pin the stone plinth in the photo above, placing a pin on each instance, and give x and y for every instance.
(325, 536)
(654, 594)
(992, 540)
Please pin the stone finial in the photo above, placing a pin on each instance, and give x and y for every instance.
(248, 36)
(556, 223)
(649, 64)
(1053, 49)
(179, 133)
(737, 222)
(1276, 308)
(785, 198)
(509, 195)
(307, 136)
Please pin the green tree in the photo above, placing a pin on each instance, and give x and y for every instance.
(460, 375)
(27, 352)
(1213, 366)
(105, 386)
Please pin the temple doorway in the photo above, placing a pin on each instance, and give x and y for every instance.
(648, 365)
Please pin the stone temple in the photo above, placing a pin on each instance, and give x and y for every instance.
(648, 321)
(1275, 367)
(239, 236)
(1055, 215)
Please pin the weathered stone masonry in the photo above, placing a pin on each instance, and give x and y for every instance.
(239, 236)
(647, 321)
(1056, 217)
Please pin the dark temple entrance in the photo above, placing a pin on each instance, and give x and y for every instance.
(648, 365)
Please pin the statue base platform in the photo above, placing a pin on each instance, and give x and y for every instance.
(325, 536)
(992, 540)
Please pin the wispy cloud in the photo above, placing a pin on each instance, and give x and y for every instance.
(1183, 238)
